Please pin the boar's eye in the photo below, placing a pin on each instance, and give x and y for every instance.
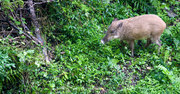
(113, 31)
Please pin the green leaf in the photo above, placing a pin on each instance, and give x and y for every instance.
(23, 37)
(17, 22)
(52, 85)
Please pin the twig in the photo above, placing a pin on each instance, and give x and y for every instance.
(10, 32)
(28, 35)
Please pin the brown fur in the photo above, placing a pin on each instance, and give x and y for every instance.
(148, 27)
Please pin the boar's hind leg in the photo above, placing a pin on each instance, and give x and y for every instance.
(131, 44)
(148, 42)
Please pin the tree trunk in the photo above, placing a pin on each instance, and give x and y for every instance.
(37, 28)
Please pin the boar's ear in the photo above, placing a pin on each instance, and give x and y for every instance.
(115, 19)
(120, 25)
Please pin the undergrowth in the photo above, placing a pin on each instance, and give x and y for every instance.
(81, 64)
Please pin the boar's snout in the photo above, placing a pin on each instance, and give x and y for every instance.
(104, 40)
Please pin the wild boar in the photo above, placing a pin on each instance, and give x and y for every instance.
(147, 26)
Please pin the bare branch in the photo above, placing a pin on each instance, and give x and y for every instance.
(37, 28)
(39, 3)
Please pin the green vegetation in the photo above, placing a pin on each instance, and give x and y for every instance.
(72, 30)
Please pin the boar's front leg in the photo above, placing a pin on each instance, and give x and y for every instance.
(159, 44)
(131, 44)
(157, 41)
